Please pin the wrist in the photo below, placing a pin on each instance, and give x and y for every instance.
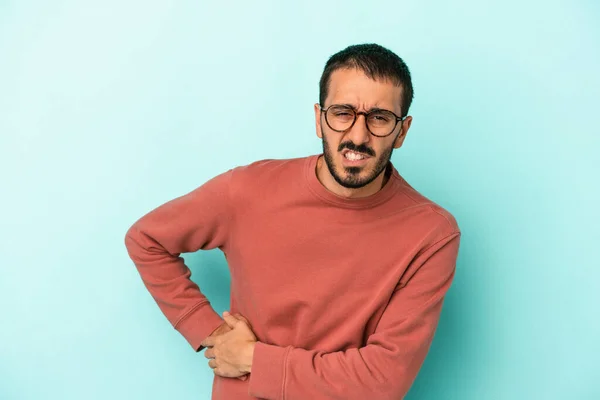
(249, 356)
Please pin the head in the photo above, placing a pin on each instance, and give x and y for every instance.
(365, 77)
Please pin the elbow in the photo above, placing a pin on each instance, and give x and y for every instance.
(128, 237)
(132, 239)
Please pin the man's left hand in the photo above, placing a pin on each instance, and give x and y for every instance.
(230, 354)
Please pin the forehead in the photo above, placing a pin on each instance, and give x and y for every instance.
(352, 86)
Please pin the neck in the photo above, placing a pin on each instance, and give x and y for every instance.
(333, 186)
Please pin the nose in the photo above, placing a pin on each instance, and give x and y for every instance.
(359, 133)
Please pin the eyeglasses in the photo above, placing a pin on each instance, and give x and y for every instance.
(380, 123)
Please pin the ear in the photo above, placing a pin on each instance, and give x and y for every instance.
(403, 131)
(318, 120)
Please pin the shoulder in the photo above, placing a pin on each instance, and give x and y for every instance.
(268, 169)
(430, 213)
(266, 174)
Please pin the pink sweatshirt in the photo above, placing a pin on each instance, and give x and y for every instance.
(344, 295)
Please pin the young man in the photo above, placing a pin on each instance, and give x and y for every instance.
(339, 267)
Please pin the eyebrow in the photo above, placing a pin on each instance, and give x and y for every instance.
(352, 106)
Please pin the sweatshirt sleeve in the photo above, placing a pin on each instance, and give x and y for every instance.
(383, 369)
(194, 221)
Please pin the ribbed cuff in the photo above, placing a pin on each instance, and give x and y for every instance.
(267, 376)
(199, 324)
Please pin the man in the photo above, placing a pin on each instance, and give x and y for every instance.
(338, 266)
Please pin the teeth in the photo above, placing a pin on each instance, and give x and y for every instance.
(353, 156)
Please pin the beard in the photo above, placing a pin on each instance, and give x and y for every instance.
(355, 177)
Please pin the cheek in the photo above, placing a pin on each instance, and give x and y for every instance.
(383, 148)
(334, 144)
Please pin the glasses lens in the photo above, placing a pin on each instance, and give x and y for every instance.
(340, 118)
(381, 123)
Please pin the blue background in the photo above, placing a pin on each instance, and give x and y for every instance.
(109, 109)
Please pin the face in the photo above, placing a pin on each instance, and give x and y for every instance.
(355, 158)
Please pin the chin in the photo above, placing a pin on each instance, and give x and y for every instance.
(353, 177)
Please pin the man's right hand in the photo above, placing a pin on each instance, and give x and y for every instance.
(224, 328)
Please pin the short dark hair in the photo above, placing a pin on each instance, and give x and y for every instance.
(376, 62)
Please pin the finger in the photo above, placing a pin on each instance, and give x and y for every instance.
(209, 341)
(209, 353)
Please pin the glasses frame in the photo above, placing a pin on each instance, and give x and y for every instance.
(356, 114)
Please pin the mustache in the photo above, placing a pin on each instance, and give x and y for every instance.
(359, 149)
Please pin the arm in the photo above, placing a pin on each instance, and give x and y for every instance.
(383, 369)
(197, 220)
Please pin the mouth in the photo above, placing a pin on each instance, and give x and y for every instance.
(353, 157)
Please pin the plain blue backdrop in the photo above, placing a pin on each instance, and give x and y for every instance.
(109, 109)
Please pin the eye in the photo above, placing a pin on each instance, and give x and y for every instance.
(342, 113)
(380, 117)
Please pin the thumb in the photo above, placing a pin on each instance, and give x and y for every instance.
(230, 319)
(241, 317)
